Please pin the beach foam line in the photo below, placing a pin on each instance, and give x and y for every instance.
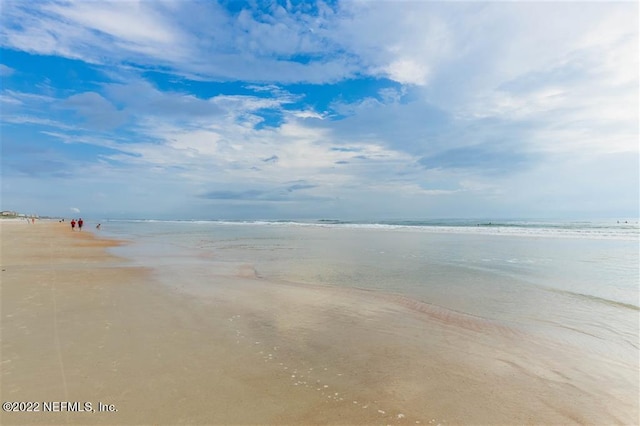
(596, 299)
(589, 230)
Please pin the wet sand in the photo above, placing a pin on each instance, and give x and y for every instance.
(80, 325)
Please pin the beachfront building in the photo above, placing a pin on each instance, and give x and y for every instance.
(10, 213)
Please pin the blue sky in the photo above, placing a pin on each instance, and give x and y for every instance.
(299, 109)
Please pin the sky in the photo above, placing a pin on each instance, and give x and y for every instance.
(352, 110)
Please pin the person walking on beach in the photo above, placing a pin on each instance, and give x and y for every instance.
(73, 224)
(80, 222)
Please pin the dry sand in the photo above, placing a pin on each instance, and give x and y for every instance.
(80, 325)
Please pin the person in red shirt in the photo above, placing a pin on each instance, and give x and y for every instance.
(73, 224)
(80, 222)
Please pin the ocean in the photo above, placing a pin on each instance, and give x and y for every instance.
(568, 284)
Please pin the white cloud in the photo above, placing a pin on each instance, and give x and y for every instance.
(532, 83)
(408, 71)
(96, 110)
(9, 100)
(308, 114)
(25, 97)
(96, 32)
(6, 71)
(133, 22)
(20, 119)
(487, 43)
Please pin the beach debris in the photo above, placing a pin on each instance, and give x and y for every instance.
(400, 416)
(381, 412)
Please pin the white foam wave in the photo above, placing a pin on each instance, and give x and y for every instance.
(588, 230)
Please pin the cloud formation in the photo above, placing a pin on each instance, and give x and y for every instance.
(350, 107)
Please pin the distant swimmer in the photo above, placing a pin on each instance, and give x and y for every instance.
(73, 224)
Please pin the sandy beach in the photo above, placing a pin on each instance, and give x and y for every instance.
(80, 325)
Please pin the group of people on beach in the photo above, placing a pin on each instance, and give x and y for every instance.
(80, 222)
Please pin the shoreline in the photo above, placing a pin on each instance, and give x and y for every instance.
(79, 324)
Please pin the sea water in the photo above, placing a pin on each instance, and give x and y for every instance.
(525, 320)
(577, 282)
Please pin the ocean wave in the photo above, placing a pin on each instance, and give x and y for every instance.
(597, 299)
(573, 229)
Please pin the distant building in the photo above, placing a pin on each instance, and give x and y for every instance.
(11, 213)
